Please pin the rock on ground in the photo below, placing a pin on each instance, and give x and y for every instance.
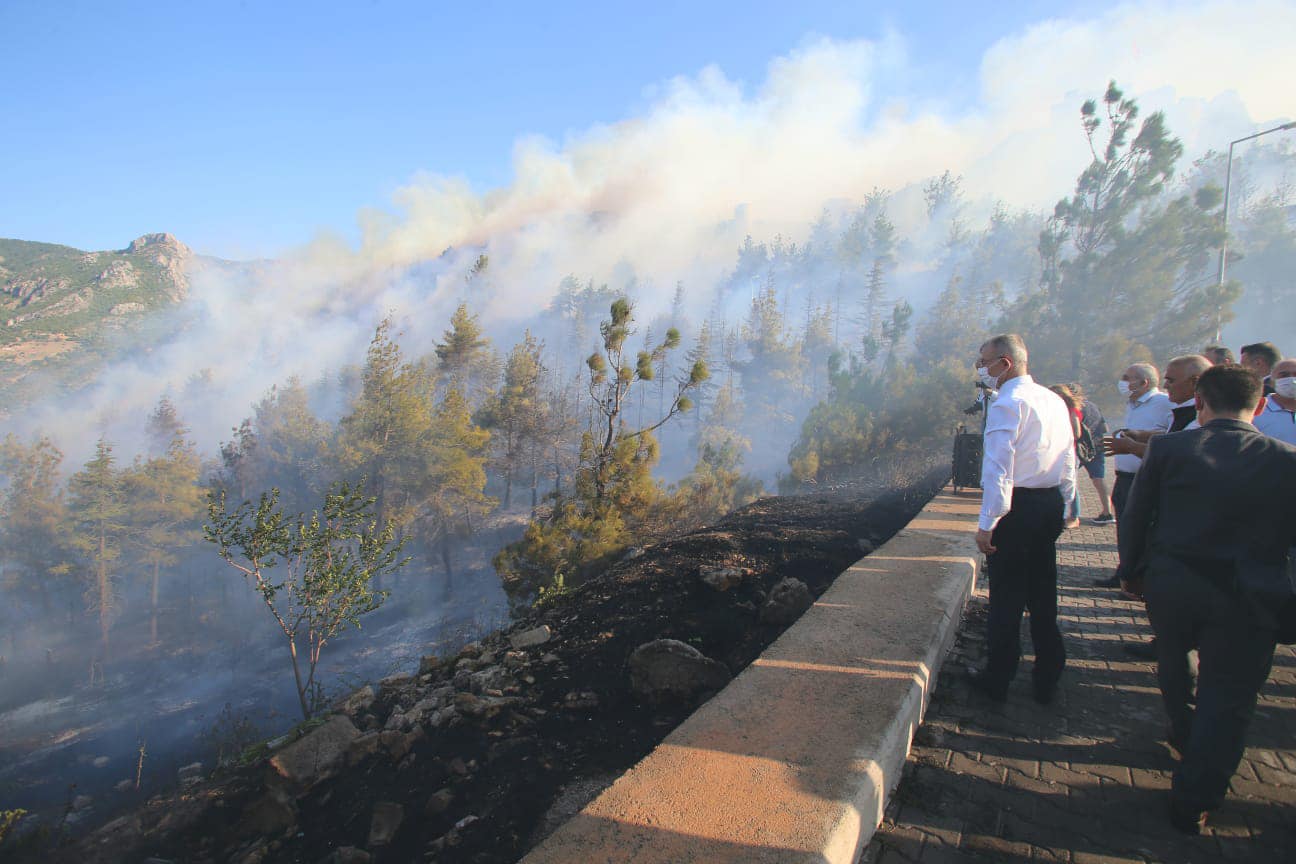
(670, 669)
(786, 602)
(316, 756)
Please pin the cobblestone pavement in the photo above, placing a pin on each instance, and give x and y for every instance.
(1086, 778)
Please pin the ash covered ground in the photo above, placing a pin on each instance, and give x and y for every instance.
(477, 755)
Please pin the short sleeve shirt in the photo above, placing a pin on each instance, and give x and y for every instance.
(1276, 421)
(1152, 411)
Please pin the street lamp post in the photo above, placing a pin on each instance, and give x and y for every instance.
(1228, 182)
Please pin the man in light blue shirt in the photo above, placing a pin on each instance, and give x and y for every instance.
(1149, 409)
(1277, 418)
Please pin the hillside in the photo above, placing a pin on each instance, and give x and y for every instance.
(485, 751)
(65, 312)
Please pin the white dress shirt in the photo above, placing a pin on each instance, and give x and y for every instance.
(1028, 444)
(1150, 412)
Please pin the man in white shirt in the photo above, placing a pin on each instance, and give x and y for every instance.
(1027, 474)
(1277, 417)
(1149, 410)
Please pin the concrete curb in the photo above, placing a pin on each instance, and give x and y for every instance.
(794, 760)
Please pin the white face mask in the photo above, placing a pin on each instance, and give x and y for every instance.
(991, 381)
(1124, 388)
(1285, 387)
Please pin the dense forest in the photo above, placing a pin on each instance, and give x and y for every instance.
(602, 428)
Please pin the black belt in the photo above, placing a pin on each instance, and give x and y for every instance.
(1037, 491)
(1126, 473)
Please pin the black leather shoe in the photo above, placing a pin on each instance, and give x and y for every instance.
(1185, 819)
(1112, 581)
(981, 683)
(1044, 691)
(1142, 650)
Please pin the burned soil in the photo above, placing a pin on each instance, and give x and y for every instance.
(477, 756)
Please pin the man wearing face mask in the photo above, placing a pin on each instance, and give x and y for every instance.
(1149, 410)
(1277, 417)
(1213, 516)
(1027, 473)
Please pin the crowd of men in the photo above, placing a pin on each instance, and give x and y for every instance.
(1204, 531)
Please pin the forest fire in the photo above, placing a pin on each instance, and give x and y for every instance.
(662, 385)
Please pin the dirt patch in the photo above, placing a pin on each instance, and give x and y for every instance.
(463, 762)
(35, 350)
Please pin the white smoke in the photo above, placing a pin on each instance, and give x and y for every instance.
(670, 194)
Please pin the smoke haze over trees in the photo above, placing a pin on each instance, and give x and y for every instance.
(785, 326)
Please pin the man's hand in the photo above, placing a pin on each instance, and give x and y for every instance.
(983, 542)
(1114, 446)
(1131, 591)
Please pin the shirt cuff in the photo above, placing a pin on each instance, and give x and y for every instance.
(988, 523)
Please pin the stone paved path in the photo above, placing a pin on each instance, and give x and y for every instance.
(1084, 779)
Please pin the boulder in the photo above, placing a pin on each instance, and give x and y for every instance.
(490, 678)
(786, 602)
(317, 755)
(268, 815)
(666, 669)
(720, 578)
(386, 821)
(394, 684)
(358, 702)
(362, 748)
(439, 802)
(531, 638)
(428, 664)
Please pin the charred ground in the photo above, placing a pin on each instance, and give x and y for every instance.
(479, 755)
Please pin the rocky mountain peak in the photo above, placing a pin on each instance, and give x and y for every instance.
(168, 242)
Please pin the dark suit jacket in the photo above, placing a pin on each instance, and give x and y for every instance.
(1220, 499)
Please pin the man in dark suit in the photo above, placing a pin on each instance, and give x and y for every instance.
(1211, 517)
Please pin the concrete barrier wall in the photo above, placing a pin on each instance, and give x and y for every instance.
(793, 761)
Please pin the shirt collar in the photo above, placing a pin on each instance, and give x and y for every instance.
(1185, 404)
(1146, 396)
(1272, 405)
(1011, 383)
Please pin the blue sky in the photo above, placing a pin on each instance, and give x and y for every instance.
(244, 128)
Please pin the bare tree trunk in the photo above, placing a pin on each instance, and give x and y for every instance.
(301, 691)
(153, 617)
(105, 592)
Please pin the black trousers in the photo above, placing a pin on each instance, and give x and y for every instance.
(1234, 638)
(1120, 492)
(1023, 575)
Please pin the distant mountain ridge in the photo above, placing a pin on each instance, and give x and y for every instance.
(65, 312)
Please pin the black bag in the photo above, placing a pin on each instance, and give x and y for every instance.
(1086, 452)
(967, 459)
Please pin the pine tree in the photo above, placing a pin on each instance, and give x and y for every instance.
(164, 504)
(465, 360)
(383, 439)
(515, 414)
(33, 517)
(453, 477)
(97, 512)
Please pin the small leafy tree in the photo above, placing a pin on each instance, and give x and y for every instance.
(614, 495)
(315, 573)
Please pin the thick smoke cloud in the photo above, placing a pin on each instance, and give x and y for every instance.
(668, 195)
